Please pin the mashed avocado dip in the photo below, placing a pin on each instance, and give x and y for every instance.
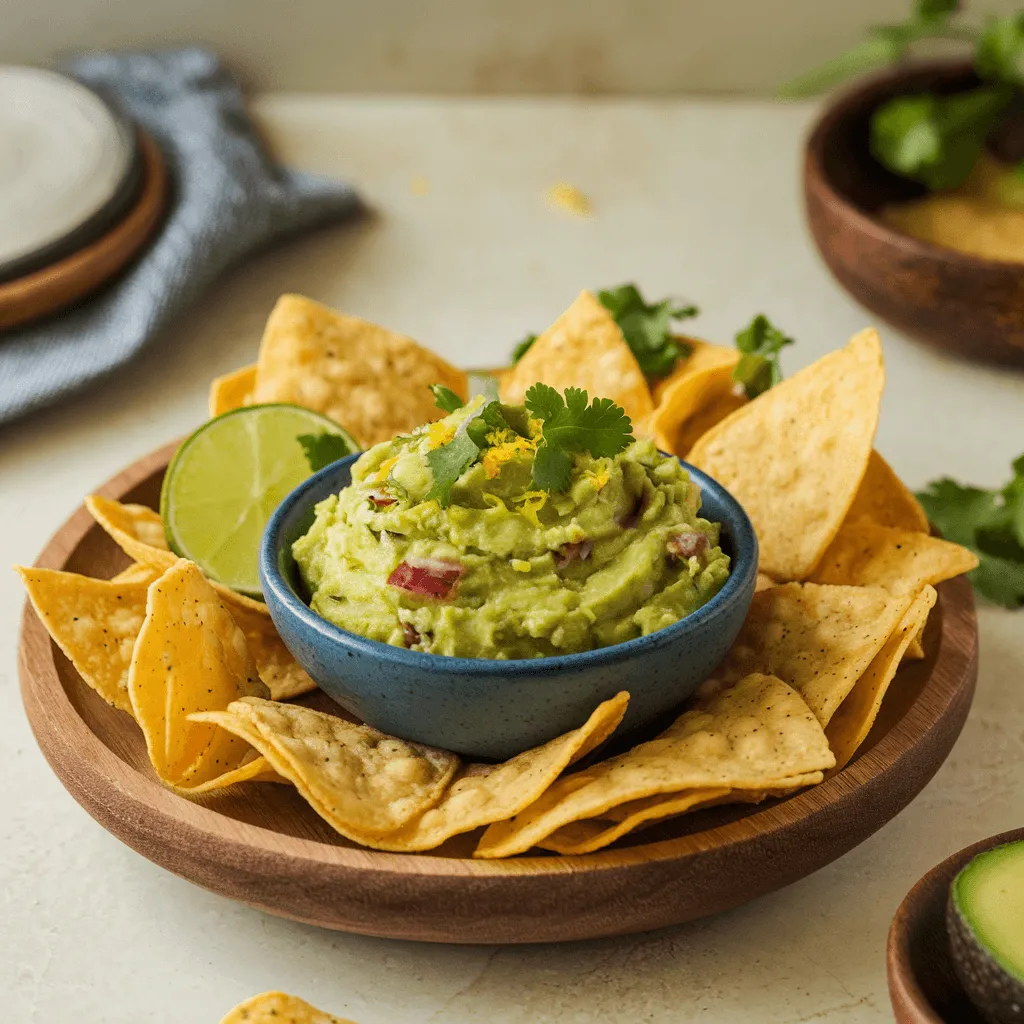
(506, 570)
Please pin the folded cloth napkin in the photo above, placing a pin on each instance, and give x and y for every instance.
(228, 198)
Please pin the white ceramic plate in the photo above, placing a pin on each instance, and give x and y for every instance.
(65, 159)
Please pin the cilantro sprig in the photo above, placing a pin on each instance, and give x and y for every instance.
(646, 326)
(991, 524)
(569, 424)
(445, 399)
(758, 369)
(323, 449)
(928, 137)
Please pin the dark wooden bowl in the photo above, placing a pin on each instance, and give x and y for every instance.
(964, 304)
(922, 985)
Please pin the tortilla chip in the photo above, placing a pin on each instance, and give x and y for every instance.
(94, 622)
(866, 555)
(746, 737)
(279, 1008)
(884, 499)
(372, 381)
(190, 656)
(137, 572)
(360, 781)
(915, 649)
(701, 381)
(139, 532)
(763, 583)
(794, 457)
(818, 639)
(233, 390)
(583, 348)
(704, 419)
(851, 724)
(284, 676)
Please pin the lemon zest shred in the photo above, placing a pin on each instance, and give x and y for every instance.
(530, 504)
(439, 433)
(384, 470)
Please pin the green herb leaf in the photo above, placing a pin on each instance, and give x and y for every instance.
(449, 462)
(523, 347)
(991, 524)
(323, 449)
(935, 10)
(570, 424)
(879, 49)
(446, 399)
(936, 139)
(647, 327)
(758, 368)
(1000, 53)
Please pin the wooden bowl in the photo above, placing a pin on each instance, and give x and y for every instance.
(263, 845)
(922, 985)
(963, 304)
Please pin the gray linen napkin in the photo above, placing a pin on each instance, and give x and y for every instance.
(228, 199)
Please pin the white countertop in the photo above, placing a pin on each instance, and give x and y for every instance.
(696, 198)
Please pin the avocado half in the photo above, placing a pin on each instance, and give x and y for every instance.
(985, 920)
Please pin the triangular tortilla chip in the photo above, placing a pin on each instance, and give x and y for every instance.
(851, 724)
(746, 737)
(884, 499)
(818, 639)
(583, 348)
(190, 656)
(279, 1008)
(794, 457)
(372, 381)
(139, 532)
(137, 572)
(866, 555)
(94, 622)
(233, 390)
(278, 668)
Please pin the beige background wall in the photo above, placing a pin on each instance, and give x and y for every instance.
(490, 46)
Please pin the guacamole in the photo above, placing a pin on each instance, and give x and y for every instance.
(507, 570)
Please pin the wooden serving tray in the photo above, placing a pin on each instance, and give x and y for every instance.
(263, 845)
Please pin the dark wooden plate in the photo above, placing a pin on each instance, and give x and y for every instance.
(922, 985)
(964, 304)
(261, 844)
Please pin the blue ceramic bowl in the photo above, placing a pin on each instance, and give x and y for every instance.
(495, 709)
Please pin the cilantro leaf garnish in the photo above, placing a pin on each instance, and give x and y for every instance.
(758, 368)
(991, 524)
(449, 462)
(446, 399)
(323, 449)
(999, 56)
(646, 326)
(570, 424)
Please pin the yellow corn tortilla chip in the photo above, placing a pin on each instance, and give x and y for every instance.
(587, 836)
(279, 1008)
(233, 390)
(254, 770)
(362, 782)
(794, 457)
(583, 348)
(884, 499)
(372, 381)
(818, 639)
(763, 583)
(745, 737)
(139, 532)
(137, 572)
(284, 676)
(190, 656)
(704, 419)
(700, 382)
(94, 622)
(851, 724)
(915, 649)
(866, 555)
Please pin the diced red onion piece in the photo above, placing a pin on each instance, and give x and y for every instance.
(687, 544)
(569, 553)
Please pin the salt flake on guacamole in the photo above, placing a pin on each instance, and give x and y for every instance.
(502, 568)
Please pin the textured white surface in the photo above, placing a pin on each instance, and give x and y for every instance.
(698, 198)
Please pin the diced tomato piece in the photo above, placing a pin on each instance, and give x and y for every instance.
(428, 577)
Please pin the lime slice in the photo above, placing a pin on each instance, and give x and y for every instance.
(225, 481)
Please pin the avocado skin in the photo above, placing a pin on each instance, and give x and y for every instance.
(999, 997)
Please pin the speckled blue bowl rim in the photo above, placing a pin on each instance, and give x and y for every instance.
(743, 566)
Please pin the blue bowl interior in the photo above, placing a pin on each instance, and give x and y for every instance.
(296, 513)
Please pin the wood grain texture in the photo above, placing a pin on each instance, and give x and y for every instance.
(60, 284)
(922, 985)
(262, 845)
(964, 304)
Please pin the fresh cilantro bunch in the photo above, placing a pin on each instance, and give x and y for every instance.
(758, 368)
(991, 524)
(646, 326)
(933, 138)
(569, 425)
